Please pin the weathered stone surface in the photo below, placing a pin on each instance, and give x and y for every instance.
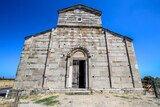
(47, 58)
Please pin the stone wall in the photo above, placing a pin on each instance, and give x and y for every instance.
(70, 18)
(39, 50)
(32, 62)
(63, 40)
(120, 72)
(134, 65)
(111, 64)
(123, 65)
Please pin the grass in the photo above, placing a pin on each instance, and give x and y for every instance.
(49, 101)
(29, 97)
(106, 96)
(6, 83)
(77, 93)
(25, 97)
(127, 97)
(158, 104)
(135, 97)
(122, 96)
(4, 104)
(65, 98)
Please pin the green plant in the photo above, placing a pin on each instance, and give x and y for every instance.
(48, 101)
(77, 93)
(147, 80)
(106, 97)
(126, 97)
(158, 104)
(24, 97)
(135, 97)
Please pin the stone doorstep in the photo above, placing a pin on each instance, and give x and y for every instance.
(73, 91)
(120, 91)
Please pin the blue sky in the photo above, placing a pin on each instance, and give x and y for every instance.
(138, 19)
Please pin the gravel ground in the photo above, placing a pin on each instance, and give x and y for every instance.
(99, 100)
(108, 100)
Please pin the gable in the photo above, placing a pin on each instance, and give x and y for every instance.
(118, 35)
(79, 6)
(79, 17)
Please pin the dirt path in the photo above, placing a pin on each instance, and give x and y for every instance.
(108, 100)
(98, 100)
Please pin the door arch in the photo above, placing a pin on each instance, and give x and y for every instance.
(77, 71)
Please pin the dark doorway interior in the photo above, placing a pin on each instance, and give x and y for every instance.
(82, 79)
(79, 74)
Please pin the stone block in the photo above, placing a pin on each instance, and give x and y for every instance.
(64, 42)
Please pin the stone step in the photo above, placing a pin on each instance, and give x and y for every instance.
(70, 91)
(78, 93)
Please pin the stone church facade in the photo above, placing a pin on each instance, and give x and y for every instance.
(78, 54)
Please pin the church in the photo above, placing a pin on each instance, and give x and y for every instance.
(78, 54)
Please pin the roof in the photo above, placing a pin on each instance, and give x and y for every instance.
(80, 6)
(43, 32)
(119, 35)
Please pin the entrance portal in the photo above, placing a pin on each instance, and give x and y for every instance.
(79, 74)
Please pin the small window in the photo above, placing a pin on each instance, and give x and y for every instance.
(79, 19)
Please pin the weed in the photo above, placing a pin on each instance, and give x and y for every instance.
(29, 97)
(48, 101)
(77, 93)
(4, 104)
(158, 103)
(106, 97)
(126, 97)
(65, 98)
(149, 100)
(116, 95)
(135, 97)
(24, 97)
(70, 102)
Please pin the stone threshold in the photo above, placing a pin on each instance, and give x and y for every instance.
(78, 91)
(120, 91)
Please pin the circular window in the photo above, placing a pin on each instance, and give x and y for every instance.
(79, 19)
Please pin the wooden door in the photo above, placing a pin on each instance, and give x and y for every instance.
(75, 74)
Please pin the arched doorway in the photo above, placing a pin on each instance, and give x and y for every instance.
(77, 69)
